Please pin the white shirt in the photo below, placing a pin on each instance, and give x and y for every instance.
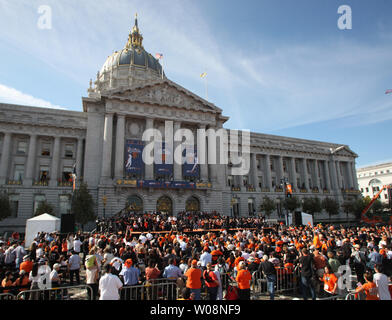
(76, 245)
(142, 238)
(381, 281)
(245, 255)
(205, 258)
(149, 236)
(109, 286)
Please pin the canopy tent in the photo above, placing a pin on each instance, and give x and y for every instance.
(43, 223)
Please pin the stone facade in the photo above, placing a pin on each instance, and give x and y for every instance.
(39, 147)
(372, 178)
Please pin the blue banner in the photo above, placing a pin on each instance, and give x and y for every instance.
(163, 155)
(133, 157)
(190, 167)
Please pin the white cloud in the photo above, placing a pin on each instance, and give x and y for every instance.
(13, 96)
(274, 87)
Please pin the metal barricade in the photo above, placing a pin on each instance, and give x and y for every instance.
(81, 292)
(354, 296)
(163, 289)
(7, 296)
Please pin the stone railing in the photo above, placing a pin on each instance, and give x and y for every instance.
(14, 182)
(40, 183)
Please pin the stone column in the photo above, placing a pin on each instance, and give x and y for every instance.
(177, 167)
(280, 170)
(149, 168)
(30, 164)
(106, 171)
(267, 165)
(119, 156)
(338, 175)
(54, 169)
(327, 176)
(316, 174)
(350, 183)
(305, 173)
(335, 183)
(202, 145)
(79, 159)
(212, 149)
(5, 157)
(355, 178)
(253, 171)
(293, 174)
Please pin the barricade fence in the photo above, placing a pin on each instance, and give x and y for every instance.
(158, 289)
(7, 296)
(81, 292)
(287, 279)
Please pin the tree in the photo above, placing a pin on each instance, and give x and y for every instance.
(331, 206)
(311, 205)
(83, 205)
(348, 207)
(44, 207)
(291, 203)
(5, 206)
(268, 205)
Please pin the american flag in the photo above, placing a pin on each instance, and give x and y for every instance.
(388, 91)
(159, 55)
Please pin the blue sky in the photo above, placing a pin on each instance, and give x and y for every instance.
(278, 66)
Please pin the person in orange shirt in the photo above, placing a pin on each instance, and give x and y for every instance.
(7, 281)
(243, 279)
(26, 265)
(330, 281)
(23, 281)
(369, 287)
(193, 282)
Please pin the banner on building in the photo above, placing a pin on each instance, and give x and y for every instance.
(163, 159)
(133, 155)
(190, 167)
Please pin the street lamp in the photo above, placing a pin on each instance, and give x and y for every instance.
(104, 200)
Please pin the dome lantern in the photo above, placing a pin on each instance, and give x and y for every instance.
(135, 39)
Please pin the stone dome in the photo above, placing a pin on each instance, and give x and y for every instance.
(128, 67)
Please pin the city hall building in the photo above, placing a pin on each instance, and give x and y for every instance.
(39, 148)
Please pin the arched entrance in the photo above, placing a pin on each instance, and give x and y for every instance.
(192, 205)
(134, 203)
(165, 204)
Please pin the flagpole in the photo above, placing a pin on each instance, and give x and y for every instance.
(206, 88)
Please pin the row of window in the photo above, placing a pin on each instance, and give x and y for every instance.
(64, 203)
(23, 147)
(44, 176)
(373, 173)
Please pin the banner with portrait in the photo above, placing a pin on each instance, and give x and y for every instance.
(190, 167)
(133, 157)
(163, 159)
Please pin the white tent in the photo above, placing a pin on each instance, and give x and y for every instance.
(43, 223)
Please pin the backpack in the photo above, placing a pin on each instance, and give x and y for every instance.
(90, 262)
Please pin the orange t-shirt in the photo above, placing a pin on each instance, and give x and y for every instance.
(243, 279)
(194, 276)
(5, 284)
(370, 289)
(329, 281)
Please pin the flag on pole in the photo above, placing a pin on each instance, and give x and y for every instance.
(388, 91)
(159, 55)
(203, 75)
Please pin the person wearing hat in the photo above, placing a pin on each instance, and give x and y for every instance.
(74, 268)
(193, 281)
(359, 262)
(54, 275)
(26, 265)
(130, 274)
(243, 279)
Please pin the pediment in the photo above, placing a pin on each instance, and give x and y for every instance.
(344, 151)
(164, 93)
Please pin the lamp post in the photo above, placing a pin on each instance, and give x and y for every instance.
(104, 200)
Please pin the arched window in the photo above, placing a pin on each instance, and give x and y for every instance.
(165, 204)
(135, 203)
(192, 205)
(375, 182)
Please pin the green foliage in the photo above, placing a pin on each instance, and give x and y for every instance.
(83, 205)
(312, 205)
(44, 207)
(291, 204)
(331, 206)
(5, 206)
(268, 206)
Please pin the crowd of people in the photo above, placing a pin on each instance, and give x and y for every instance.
(195, 251)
